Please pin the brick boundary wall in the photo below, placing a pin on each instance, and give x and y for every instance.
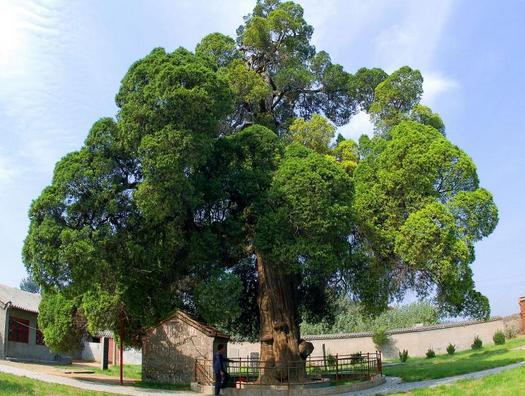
(416, 340)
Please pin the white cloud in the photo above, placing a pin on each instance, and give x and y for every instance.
(415, 36)
(435, 84)
(6, 171)
(359, 125)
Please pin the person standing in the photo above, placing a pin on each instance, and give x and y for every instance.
(219, 368)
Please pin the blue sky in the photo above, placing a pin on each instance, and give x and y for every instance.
(61, 63)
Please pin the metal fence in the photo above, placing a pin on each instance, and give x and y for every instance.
(357, 366)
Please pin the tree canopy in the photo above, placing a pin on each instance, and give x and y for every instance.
(220, 182)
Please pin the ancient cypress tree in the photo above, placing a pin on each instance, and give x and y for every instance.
(219, 189)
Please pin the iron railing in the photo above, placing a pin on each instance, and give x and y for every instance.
(357, 366)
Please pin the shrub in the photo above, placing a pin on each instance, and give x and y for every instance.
(499, 338)
(451, 349)
(330, 360)
(477, 344)
(430, 353)
(511, 331)
(356, 358)
(403, 356)
(380, 338)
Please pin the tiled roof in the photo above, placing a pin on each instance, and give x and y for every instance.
(105, 333)
(19, 299)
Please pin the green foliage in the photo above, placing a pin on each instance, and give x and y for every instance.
(218, 49)
(309, 223)
(101, 309)
(247, 85)
(430, 354)
(380, 338)
(195, 177)
(60, 323)
(222, 287)
(276, 44)
(120, 209)
(403, 356)
(331, 360)
(350, 318)
(28, 284)
(395, 97)
(315, 133)
(407, 192)
(362, 85)
(451, 349)
(424, 115)
(499, 338)
(346, 153)
(477, 344)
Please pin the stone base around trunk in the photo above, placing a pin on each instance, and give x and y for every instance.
(308, 389)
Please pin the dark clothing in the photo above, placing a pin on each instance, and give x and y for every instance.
(219, 363)
(221, 379)
(219, 369)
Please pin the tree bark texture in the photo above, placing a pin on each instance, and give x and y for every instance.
(281, 358)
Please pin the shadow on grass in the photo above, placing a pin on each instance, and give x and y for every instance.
(154, 385)
(481, 354)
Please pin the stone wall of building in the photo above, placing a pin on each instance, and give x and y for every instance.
(417, 340)
(30, 351)
(92, 352)
(3, 331)
(169, 352)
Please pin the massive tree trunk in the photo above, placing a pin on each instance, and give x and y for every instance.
(280, 339)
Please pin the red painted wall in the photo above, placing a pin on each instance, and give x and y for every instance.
(522, 309)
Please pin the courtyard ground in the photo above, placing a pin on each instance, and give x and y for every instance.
(48, 375)
(494, 370)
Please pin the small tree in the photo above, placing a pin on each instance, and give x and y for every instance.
(477, 344)
(403, 356)
(380, 338)
(499, 338)
(451, 349)
(430, 353)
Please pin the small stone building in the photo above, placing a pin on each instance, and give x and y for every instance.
(170, 349)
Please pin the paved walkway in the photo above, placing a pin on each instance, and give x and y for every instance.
(394, 384)
(89, 385)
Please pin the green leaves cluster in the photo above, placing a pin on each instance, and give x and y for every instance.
(350, 317)
(227, 153)
(413, 194)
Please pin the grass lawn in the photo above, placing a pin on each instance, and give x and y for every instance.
(417, 369)
(131, 371)
(507, 383)
(14, 385)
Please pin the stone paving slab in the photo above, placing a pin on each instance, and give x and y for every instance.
(89, 385)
